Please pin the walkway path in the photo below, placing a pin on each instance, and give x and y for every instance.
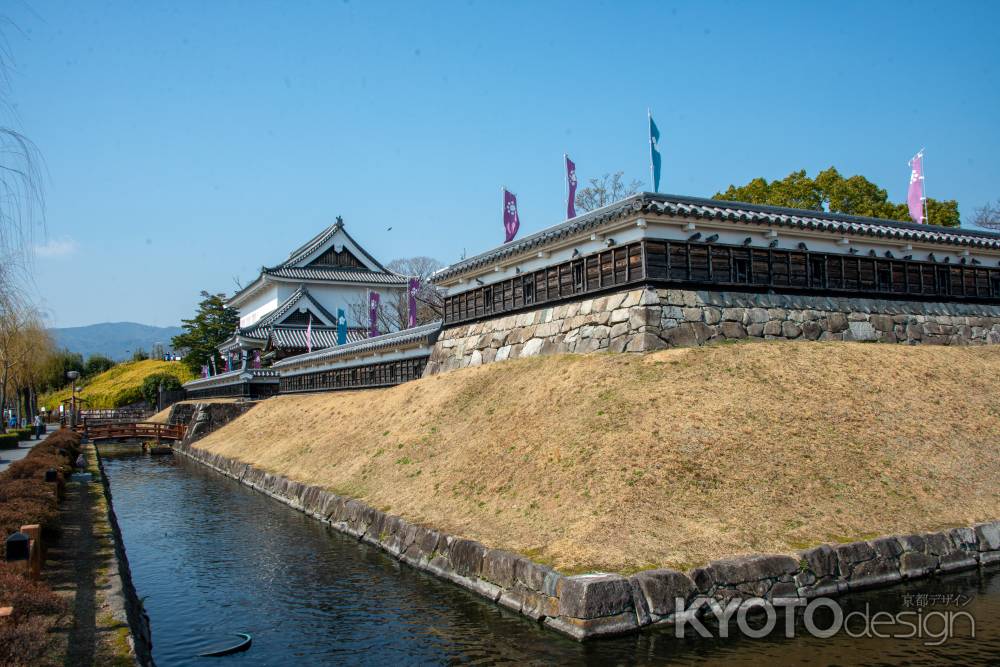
(8, 456)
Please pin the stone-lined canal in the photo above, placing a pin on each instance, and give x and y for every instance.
(212, 558)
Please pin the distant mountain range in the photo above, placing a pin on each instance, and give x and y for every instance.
(117, 340)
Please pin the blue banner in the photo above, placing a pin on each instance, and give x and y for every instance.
(341, 327)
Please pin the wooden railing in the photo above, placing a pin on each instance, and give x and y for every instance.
(135, 430)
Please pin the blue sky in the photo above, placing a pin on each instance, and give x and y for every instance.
(190, 142)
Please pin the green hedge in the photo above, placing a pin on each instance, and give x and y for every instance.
(24, 433)
(9, 440)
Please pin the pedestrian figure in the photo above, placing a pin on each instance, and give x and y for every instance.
(39, 427)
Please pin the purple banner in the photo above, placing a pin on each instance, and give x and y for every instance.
(373, 299)
(511, 223)
(414, 287)
(915, 195)
(256, 358)
(571, 182)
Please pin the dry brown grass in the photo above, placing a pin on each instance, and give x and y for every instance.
(623, 462)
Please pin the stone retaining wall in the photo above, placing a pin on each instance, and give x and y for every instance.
(594, 605)
(205, 417)
(120, 588)
(646, 319)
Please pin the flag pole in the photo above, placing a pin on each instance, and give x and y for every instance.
(923, 187)
(566, 181)
(649, 130)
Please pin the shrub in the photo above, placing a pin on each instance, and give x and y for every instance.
(25, 636)
(29, 598)
(8, 440)
(26, 488)
(22, 643)
(18, 512)
(151, 386)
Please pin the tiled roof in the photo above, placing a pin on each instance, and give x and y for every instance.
(233, 377)
(336, 275)
(311, 246)
(427, 333)
(259, 329)
(294, 338)
(737, 212)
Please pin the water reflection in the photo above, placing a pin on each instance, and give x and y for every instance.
(213, 558)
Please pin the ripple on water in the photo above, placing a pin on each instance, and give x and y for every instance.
(212, 558)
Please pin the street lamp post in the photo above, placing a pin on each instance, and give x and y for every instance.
(72, 375)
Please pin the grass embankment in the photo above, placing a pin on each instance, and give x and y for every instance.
(626, 462)
(118, 386)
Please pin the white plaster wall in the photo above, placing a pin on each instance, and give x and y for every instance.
(729, 233)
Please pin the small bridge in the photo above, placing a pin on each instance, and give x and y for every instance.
(134, 431)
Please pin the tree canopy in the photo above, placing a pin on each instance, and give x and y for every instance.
(213, 324)
(605, 190)
(830, 191)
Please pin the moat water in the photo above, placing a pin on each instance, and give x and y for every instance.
(211, 558)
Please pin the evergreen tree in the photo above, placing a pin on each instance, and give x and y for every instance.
(832, 192)
(213, 324)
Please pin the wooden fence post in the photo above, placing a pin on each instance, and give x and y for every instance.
(34, 533)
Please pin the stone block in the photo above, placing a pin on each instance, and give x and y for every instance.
(466, 557)
(733, 314)
(758, 315)
(732, 330)
(645, 342)
(988, 535)
(660, 588)
(862, 331)
(783, 590)
(850, 554)
(532, 347)
(875, 572)
(887, 547)
(790, 330)
(589, 596)
(500, 567)
(938, 544)
(772, 328)
(641, 316)
(957, 560)
(914, 564)
(619, 315)
(755, 330)
(743, 569)
(712, 315)
(606, 626)
(964, 539)
(811, 330)
(836, 322)
(532, 575)
(881, 322)
(822, 560)
(687, 334)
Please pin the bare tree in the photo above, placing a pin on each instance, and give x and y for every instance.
(605, 190)
(22, 205)
(390, 315)
(394, 305)
(988, 216)
(430, 299)
(22, 340)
